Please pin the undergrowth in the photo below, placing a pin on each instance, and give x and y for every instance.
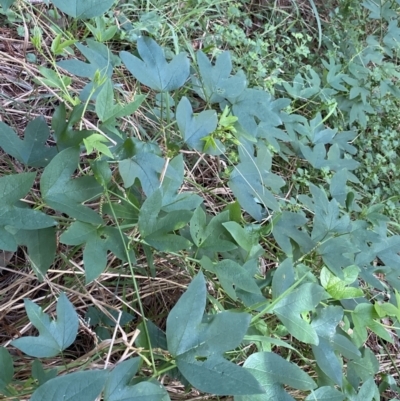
(199, 199)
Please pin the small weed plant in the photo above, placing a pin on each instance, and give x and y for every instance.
(290, 262)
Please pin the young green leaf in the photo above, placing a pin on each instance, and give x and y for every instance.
(117, 386)
(66, 195)
(97, 240)
(6, 369)
(273, 372)
(83, 9)
(82, 385)
(12, 189)
(198, 344)
(31, 150)
(337, 288)
(194, 128)
(154, 71)
(54, 336)
(97, 142)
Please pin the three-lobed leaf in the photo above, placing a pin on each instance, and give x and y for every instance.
(31, 150)
(153, 70)
(66, 195)
(54, 336)
(198, 343)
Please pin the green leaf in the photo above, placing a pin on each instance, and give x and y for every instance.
(211, 237)
(107, 110)
(66, 195)
(194, 128)
(12, 189)
(216, 83)
(85, 386)
(5, 4)
(117, 386)
(368, 391)
(148, 215)
(364, 315)
(273, 372)
(250, 181)
(144, 166)
(97, 240)
(326, 393)
(284, 278)
(83, 9)
(288, 231)
(101, 61)
(6, 369)
(154, 71)
(337, 288)
(54, 336)
(97, 142)
(42, 245)
(364, 367)
(30, 151)
(303, 299)
(198, 343)
(232, 276)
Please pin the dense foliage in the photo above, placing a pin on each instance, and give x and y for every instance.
(294, 262)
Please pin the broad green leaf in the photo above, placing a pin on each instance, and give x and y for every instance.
(185, 316)
(83, 9)
(326, 394)
(364, 315)
(240, 235)
(117, 386)
(303, 299)
(157, 337)
(41, 246)
(64, 132)
(273, 372)
(148, 214)
(5, 4)
(368, 391)
(288, 230)
(144, 166)
(82, 386)
(31, 150)
(283, 279)
(253, 105)
(167, 242)
(198, 343)
(211, 237)
(66, 195)
(153, 70)
(251, 181)
(172, 199)
(6, 369)
(97, 240)
(194, 128)
(54, 336)
(216, 82)
(366, 366)
(12, 189)
(107, 110)
(101, 61)
(338, 186)
(232, 276)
